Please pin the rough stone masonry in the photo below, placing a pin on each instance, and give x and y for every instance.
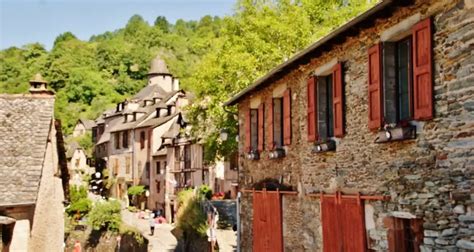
(428, 177)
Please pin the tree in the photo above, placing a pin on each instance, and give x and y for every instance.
(162, 23)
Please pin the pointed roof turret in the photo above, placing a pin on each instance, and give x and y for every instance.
(158, 66)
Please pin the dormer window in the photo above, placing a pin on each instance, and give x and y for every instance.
(134, 116)
(169, 109)
(157, 112)
(125, 118)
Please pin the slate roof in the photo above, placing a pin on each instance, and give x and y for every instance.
(71, 148)
(105, 137)
(148, 92)
(158, 66)
(88, 124)
(25, 123)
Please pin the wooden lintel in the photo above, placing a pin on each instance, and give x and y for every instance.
(278, 191)
(355, 196)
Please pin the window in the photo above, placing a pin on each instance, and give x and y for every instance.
(404, 234)
(158, 186)
(164, 167)
(397, 81)
(142, 139)
(324, 108)
(400, 79)
(278, 122)
(125, 139)
(253, 129)
(147, 169)
(187, 157)
(127, 165)
(158, 167)
(117, 140)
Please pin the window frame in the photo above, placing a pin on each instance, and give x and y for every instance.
(117, 140)
(278, 123)
(158, 167)
(125, 139)
(328, 82)
(254, 129)
(142, 139)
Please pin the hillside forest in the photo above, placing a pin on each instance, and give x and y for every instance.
(214, 57)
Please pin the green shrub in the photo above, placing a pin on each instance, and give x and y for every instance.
(136, 190)
(77, 192)
(190, 217)
(80, 203)
(79, 208)
(105, 215)
(128, 230)
(205, 191)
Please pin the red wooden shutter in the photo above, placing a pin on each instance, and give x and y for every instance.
(287, 117)
(375, 87)
(261, 130)
(248, 137)
(330, 225)
(338, 95)
(311, 95)
(274, 226)
(270, 143)
(422, 71)
(352, 222)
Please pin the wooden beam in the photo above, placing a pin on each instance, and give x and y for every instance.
(355, 196)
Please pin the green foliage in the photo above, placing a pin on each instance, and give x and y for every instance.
(105, 215)
(136, 190)
(205, 192)
(80, 203)
(259, 36)
(214, 58)
(190, 217)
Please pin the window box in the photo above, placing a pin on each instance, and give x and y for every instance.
(253, 155)
(328, 145)
(277, 153)
(397, 133)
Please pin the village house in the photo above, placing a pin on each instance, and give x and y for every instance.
(367, 134)
(31, 189)
(184, 164)
(129, 140)
(82, 127)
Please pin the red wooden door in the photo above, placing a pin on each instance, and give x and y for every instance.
(267, 222)
(343, 224)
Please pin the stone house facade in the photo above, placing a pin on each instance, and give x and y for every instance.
(129, 139)
(372, 128)
(31, 188)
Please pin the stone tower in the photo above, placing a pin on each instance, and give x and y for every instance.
(160, 75)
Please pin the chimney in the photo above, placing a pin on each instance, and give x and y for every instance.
(39, 86)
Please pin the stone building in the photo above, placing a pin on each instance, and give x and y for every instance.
(371, 130)
(78, 163)
(129, 139)
(31, 190)
(184, 164)
(82, 127)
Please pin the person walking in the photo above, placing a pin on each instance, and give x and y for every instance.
(151, 221)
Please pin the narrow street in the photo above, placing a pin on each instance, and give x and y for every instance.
(161, 241)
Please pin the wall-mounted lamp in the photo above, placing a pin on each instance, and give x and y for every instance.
(224, 134)
(147, 193)
(388, 134)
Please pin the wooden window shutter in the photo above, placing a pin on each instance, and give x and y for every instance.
(270, 143)
(311, 117)
(338, 96)
(422, 71)
(375, 87)
(248, 138)
(261, 129)
(287, 117)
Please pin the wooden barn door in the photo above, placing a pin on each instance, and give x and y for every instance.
(267, 222)
(343, 224)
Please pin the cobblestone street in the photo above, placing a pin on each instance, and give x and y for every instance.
(161, 241)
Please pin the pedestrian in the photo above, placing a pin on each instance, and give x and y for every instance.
(151, 221)
(77, 246)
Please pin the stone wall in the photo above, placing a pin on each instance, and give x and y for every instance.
(423, 176)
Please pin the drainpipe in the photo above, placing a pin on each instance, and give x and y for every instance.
(237, 204)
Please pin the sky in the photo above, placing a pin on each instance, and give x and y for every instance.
(27, 21)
